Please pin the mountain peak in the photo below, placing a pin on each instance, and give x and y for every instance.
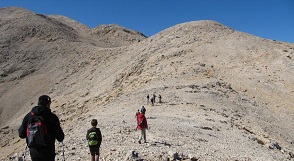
(228, 92)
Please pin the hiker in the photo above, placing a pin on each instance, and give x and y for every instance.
(142, 125)
(148, 98)
(152, 101)
(154, 96)
(51, 128)
(159, 97)
(94, 138)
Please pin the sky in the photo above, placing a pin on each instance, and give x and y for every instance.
(270, 19)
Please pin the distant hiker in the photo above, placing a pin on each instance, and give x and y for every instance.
(154, 96)
(152, 101)
(148, 98)
(41, 127)
(159, 96)
(142, 125)
(94, 138)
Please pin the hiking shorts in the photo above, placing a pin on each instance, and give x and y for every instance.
(94, 150)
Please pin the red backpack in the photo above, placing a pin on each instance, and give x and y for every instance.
(36, 130)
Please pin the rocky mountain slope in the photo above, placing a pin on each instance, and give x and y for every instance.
(227, 95)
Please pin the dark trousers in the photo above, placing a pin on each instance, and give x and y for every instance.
(42, 159)
(43, 154)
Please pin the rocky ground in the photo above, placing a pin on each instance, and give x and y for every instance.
(227, 95)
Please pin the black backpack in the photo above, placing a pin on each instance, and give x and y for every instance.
(36, 130)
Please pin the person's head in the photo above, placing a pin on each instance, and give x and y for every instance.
(44, 100)
(94, 122)
(143, 110)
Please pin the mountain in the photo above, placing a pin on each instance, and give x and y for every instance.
(227, 95)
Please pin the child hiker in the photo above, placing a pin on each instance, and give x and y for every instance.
(94, 138)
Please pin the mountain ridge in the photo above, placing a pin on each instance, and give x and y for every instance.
(215, 82)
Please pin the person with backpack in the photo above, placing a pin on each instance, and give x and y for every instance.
(40, 127)
(94, 138)
(142, 125)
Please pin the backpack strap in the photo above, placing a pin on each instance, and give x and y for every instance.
(40, 117)
(42, 120)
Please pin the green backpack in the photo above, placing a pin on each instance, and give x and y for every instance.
(93, 138)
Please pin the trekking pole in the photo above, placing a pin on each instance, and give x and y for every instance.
(24, 153)
(63, 151)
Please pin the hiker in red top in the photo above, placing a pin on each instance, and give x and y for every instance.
(142, 124)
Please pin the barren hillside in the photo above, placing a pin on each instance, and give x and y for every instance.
(227, 95)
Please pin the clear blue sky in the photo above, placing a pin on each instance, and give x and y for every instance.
(271, 19)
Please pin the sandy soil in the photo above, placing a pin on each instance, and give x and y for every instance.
(227, 95)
